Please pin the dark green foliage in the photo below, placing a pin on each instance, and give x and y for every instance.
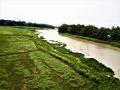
(92, 31)
(23, 23)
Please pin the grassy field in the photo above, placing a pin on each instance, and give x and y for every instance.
(112, 42)
(30, 63)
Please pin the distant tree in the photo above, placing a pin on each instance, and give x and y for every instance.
(63, 28)
(115, 33)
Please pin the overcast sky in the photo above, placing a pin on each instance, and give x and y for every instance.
(56, 12)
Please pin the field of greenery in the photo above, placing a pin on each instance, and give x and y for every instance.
(30, 63)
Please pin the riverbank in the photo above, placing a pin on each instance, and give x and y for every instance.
(112, 43)
(28, 63)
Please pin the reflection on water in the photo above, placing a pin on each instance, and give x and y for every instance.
(108, 55)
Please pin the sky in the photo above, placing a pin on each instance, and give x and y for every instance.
(56, 12)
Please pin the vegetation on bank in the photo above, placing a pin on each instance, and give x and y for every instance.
(104, 35)
(23, 23)
(30, 63)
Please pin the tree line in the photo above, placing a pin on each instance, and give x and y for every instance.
(23, 23)
(92, 31)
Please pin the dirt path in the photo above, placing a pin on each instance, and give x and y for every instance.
(56, 78)
(27, 62)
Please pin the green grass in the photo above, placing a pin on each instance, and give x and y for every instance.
(30, 63)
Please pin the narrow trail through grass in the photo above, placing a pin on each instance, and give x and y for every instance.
(65, 85)
(24, 58)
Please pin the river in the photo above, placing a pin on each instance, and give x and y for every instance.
(106, 54)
